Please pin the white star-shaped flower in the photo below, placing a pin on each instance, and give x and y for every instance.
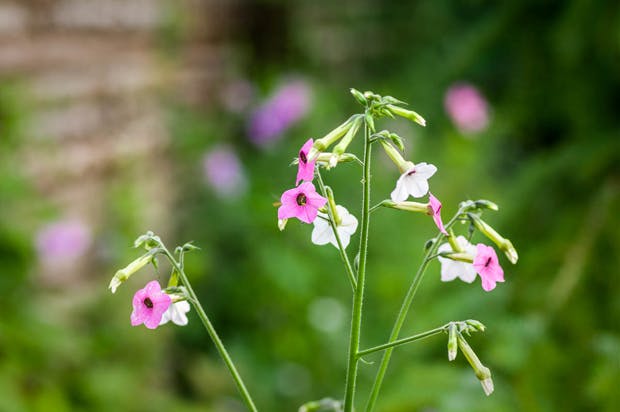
(177, 313)
(323, 234)
(413, 182)
(451, 269)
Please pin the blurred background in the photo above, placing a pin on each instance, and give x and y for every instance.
(121, 116)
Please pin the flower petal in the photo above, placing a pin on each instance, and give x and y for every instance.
(425, 170)
(400, 193)
(322, 233)
(417, 186)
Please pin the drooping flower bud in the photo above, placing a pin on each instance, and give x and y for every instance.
(330, 138)
(502, 243)
(452, 342)
(482, 372)
(407, 114)
(396, 157)
(122, 275)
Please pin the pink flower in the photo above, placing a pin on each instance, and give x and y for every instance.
(63, 240)
(487, 266)
(224, 172)
(434, 206)
(288, 105)
(306, 168)
(467, 109)
(301, 202)
(149, 305)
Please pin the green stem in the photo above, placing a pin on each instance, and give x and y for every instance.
(402, 341)
(358, 298)
(213, 334)
(343, 253)
(402, 314)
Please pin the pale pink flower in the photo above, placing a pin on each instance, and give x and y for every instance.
(63, 240)
(487, 266)
(434, 206)
(177, 313)
(305, 170)
(224, 172)
(467, 108)
(323, 233)
(451, 269)
(413, 182)
(149, 305)
(301, 202)
(288, 105)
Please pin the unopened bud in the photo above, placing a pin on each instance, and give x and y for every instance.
(407, 206)
(396, 157)
(122, 275)
(407, 114)
(330, 138)
(502, 243)
(476, 325)
(482, 372)
(359, 96)
(486, 204)
(348, 137)
(452, 342)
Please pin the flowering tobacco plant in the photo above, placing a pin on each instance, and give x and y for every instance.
(334, 224)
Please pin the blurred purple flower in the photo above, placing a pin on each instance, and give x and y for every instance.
(223, 171)
(289, 104)
(237, 95)
(467, 108)
(64, 240)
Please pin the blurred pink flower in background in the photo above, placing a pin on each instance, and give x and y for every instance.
(237, 95)
(63, 241)
(467, 108)
(288, 105)
(223, 171)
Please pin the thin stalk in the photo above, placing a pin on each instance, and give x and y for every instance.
(247, 399)
(402, 314)
(358, 298)
(402, 341)
(343, 253)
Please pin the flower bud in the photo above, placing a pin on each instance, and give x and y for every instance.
(475, 325)
(359, 96)
(330, 138)
(452, 342)
(124, 274)
(486, 204)
(348, 137)
(408, 206)
(396, 157)
(407, 114)
(482, 372)
(502, 243)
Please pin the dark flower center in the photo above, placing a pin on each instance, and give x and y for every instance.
(486, 265)
(148, 303)
(411, 172)
(301, 199)
(302, 157)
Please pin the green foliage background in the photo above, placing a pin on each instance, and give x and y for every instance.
(551, 73)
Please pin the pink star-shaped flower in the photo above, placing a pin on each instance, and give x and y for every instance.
(301, 202)
(149, 305)
(487, 266)
(434, 206)
(305, 170)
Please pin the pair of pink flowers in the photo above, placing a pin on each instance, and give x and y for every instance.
(303, 201)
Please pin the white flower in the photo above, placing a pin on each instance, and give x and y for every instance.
(451, 269)
(413, 182)
(177, 313)
(323, 233)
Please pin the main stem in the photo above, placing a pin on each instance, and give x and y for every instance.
(402, 314)
(247, 399)
(358, 297)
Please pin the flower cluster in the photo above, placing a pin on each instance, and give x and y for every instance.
(152, 305)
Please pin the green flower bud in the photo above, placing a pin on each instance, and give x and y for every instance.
(396, 157)
(502, 243)
(407, 114)
(452, 342)
(482, 372)
(359, 96)
(124, 274)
